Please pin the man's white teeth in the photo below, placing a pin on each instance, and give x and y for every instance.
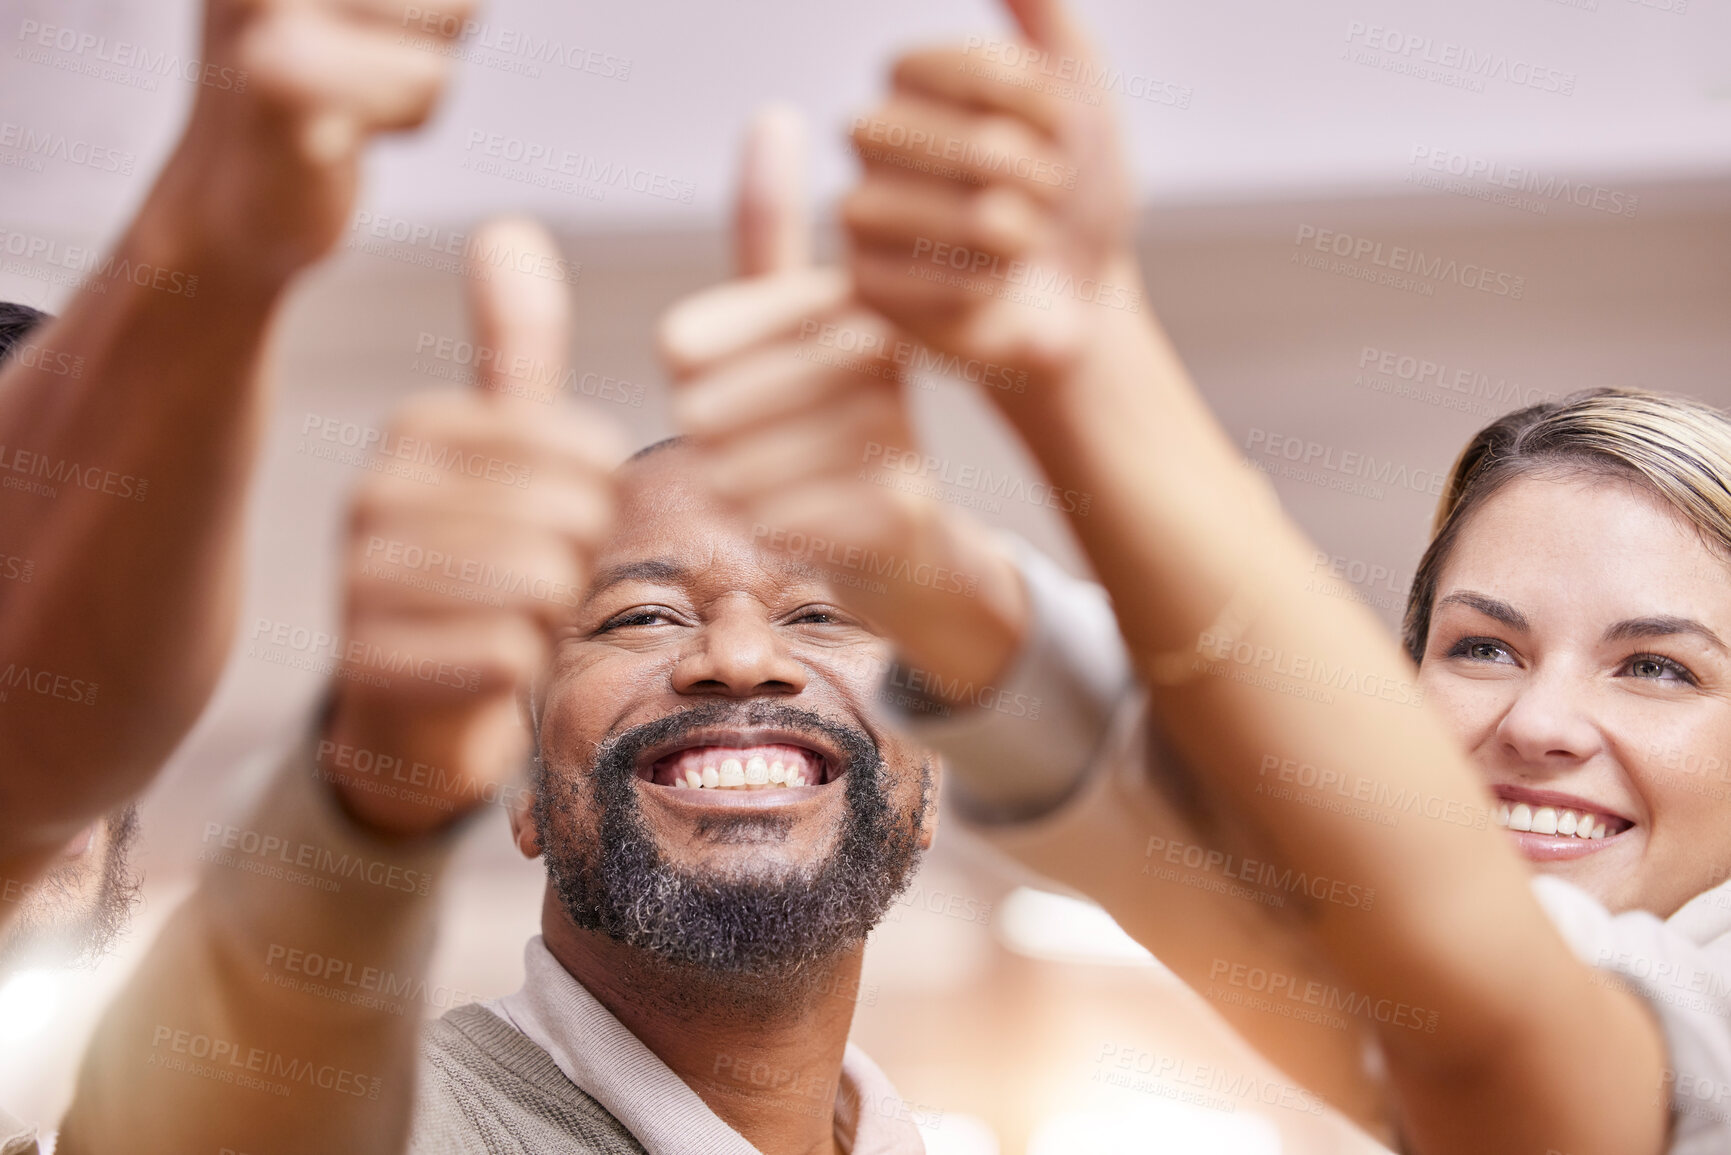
(1550, 820)
(757, 768)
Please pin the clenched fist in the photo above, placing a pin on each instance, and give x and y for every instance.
(794, 391)
(455, 583)
(993, 217)
(266, 171)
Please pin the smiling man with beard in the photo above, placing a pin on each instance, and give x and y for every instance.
(724, 805)
(725, 816)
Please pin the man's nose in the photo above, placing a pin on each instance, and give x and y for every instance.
(742, 655)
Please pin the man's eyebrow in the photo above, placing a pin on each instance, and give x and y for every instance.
(663, 570)
(1488, 606)
(1661, 626)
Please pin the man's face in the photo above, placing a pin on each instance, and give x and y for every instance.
(718, 786)
(72, 913)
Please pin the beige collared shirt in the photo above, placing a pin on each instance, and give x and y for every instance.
(610, 1064)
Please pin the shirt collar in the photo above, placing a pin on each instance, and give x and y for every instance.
(1705, 918)
(610, 1064)
(16, 1138)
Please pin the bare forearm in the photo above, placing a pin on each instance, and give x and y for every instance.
(132, 479)
(273, 1013)
(1208, 580)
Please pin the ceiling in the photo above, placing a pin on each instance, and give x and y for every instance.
(1251, 99)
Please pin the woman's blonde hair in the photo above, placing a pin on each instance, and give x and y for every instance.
(1677, 449)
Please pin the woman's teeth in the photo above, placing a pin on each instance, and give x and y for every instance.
(1550, 820)
(719, 768)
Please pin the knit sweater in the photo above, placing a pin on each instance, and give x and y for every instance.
(487, 1089)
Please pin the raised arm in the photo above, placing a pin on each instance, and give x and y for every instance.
(1021, 254)
(1013, 670)
(280, 1009)
(138, 463)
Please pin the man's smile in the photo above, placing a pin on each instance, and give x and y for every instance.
(734, 766)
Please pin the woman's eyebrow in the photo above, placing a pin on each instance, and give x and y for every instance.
(1490, 607)
(1662, 626)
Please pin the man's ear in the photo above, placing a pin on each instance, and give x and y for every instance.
(523, 831)
(934, 791)
(521, 811)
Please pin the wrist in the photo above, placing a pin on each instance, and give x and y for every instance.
(969, 640)
(1117, 339)
(179, 229)
(378, 789)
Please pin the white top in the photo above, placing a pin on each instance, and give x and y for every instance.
(1682, 967)
(613, 1067)
(15, 1137)
(1009, 768)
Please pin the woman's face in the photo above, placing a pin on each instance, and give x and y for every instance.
(1578, 648)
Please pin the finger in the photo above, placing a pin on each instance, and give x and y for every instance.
(319, 65)
(837, 439)
(457, 433)
(892, 211)
(730, 318)
(772, 220)
(951, 143)
(520, 316)
(926, 298)
(966, 77)
(825, 506)
(444, 657)
(1049, 24)
(788, 378)
(450, 20)
(581, 514)
(413, 563)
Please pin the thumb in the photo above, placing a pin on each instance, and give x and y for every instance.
(521, 315)
(772, 222)
(1048, 24)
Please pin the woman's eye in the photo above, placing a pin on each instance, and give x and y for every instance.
(1654, 668)
(1481, 650)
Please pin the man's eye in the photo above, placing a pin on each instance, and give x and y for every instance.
(642, 616)
(819, 616)
(1656, 668)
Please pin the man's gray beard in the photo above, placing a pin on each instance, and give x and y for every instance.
(60, 928)
(745, 926)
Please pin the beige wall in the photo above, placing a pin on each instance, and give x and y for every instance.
(1276, 345)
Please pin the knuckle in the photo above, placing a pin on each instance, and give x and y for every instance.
(856, 208)
(996, 218)
(998, 135)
